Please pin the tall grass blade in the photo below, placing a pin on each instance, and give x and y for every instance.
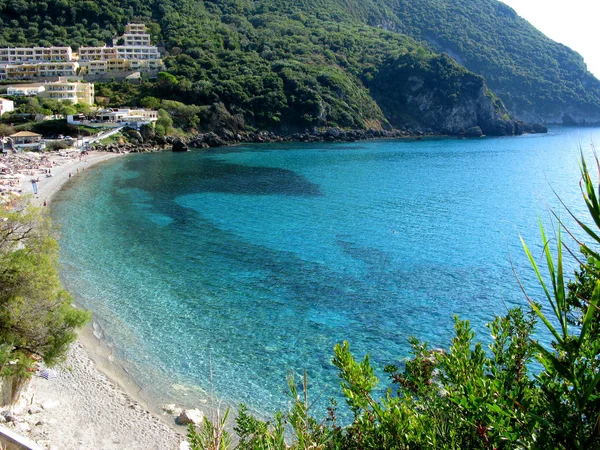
(542, 316)
(537, 272)
(589, 193)
(590, 389)
(560, 291)
(590, 313)
(553, 364)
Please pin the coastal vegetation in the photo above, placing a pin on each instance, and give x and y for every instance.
(37, 320)
(289, 67)
(533, 384)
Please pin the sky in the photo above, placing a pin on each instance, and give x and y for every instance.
(573, 23)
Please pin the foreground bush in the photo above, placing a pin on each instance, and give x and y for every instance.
(469, 397)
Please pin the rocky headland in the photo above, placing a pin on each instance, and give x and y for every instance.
(227, 137)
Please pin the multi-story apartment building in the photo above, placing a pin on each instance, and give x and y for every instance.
(135, 28)
(135, 34)
(26, 90)
(18, 55)
(75, 91)
(107, 66)
(131, 51)
(39, 69)
(97, 53)
(34, 62)
(64, 89)
(138, 52)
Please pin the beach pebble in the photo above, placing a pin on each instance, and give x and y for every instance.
(194, 416)
(184, 445)
(34, 410)
(50, 404)
(10, 418)
(23, 427)
(171, 408)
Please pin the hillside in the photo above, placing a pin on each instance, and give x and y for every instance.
(294, 66)
(537, 78)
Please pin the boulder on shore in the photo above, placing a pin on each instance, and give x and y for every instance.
(171, 408)
(179, 146)
(194, 416)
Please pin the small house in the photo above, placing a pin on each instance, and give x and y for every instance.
(27, 140)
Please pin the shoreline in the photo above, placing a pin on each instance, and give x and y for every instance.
(93, 402)
(49, 186)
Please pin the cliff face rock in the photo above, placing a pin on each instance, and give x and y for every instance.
(437, 94)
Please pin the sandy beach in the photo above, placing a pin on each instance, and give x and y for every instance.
(63, 168)
(91, 403)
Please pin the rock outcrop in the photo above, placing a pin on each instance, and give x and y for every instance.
(179, 146)
(474, 132)
(188, 416)
(440, 95)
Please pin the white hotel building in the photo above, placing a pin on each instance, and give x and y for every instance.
(130, 52)
(33, 62)
(20, 55)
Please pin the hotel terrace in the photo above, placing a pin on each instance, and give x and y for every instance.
(132, 117)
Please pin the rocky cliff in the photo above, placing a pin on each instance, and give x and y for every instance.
(438, 94)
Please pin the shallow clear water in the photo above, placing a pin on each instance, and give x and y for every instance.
(261, 258)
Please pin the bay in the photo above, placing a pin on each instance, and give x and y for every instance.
(253, 261)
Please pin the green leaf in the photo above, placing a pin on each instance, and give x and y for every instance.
(591, 311)
(552, 363)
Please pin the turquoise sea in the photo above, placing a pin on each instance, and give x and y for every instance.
(258, 259)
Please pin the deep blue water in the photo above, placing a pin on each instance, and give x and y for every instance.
(261, 258)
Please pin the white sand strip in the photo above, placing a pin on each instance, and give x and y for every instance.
(48, 186)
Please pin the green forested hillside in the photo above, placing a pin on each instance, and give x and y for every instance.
(294, 65)
(537, 78)
(274, 67)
